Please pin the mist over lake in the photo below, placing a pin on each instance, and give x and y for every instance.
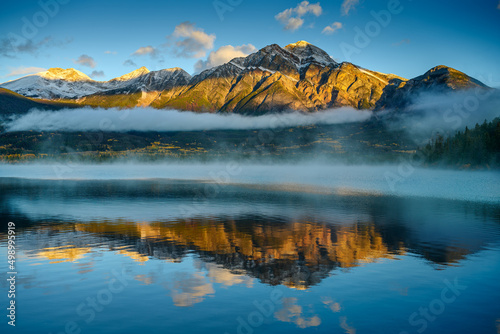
(303, 247)
(388, 179)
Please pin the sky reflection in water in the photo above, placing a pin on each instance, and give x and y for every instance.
(251, 259)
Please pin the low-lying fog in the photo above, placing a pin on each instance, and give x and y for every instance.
(402, 179)
(149, 119)
(428, 114)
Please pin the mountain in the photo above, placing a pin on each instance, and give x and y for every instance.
(13, 103)
(299, 76)
(132, 75)
(53, 84)
(57, 83)
(439, 79)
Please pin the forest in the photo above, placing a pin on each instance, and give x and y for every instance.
(477, 147)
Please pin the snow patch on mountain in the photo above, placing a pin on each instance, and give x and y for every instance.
(308, 53)
(57, 83)
(374, 76)
(69, 74)
(132, 75)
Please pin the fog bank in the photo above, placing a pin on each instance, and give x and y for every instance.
(434, 112)
(149, 119)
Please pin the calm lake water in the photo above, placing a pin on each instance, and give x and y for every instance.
(254, 249)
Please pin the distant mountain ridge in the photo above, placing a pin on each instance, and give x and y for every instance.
(299, 76)
(13, 103)
(57, 83)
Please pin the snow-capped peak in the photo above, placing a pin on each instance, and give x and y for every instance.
(173, 69)
(299, 44)
(69, 74)
(309, 53)
(58, 83)
(134, 74)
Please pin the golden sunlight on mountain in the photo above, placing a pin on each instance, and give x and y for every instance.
(134, 74)
(69, 74)
(299, 44)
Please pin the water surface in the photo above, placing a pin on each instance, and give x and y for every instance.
(114, 252)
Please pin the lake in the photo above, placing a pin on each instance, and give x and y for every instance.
(232, 248)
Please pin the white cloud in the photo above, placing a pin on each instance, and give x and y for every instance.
(498, 7)
(150, 119)
(110, 52)
(191, 42)
(21, 70)
(291, 18)
(328, 30)
(348, 5)
(85, 60)
(223, 55)
(294, 23)
(146, 50)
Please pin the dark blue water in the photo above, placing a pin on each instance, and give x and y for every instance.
(160, 256)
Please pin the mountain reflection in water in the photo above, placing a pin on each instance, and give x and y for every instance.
(339, 260)
(265, 238)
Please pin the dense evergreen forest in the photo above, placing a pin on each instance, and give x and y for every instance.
(477, 147)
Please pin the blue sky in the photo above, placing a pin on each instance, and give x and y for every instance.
(107, 39)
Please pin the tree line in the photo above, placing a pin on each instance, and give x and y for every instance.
(477, 147)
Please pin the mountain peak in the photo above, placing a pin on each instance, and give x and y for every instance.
(309, 53)
(134, 74)
(453, 78)
(299, 44)
(69, 74)
(272, 48)
(172, 69)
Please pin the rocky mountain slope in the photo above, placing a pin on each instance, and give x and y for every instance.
(13, 103)
(57, 83)
(299, 76)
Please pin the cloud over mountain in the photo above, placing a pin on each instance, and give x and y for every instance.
(190, 41)
(223, 55)
(14, 45)
(97, 74)
(129, 62)
(292, 18)
(85, 60)
(145, 50)
(330, 29)
(22, 70)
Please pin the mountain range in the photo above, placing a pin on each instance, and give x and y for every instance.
(299, 76)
